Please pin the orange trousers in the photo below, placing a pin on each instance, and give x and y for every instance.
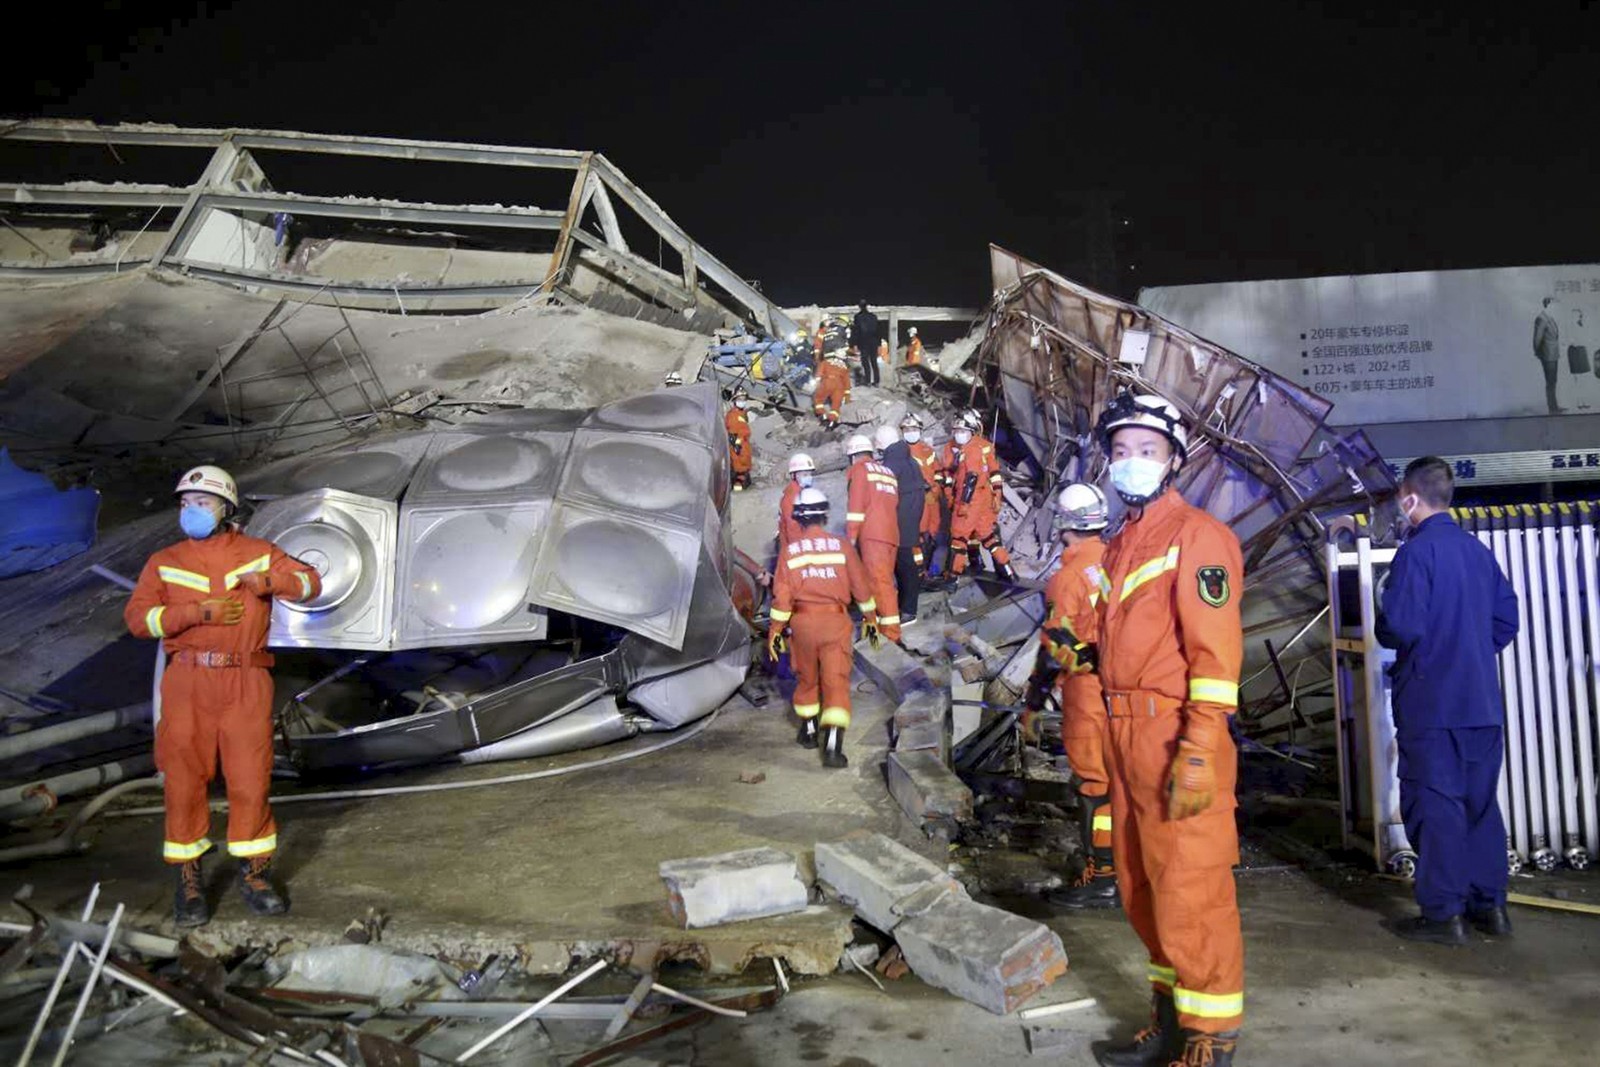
(1176, 876)
(1083, 736)
(975, 524)
(822, 653)
(828, 399)
(209, 713)
(740, 458)
(879, 558)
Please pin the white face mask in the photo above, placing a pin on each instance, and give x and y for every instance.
(1137, 479)
(741, 404)
(962, 436)
(804, 479)
(1407, 523)
(913, 436)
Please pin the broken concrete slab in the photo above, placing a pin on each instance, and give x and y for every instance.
(927, 790)
(892, 669)
(873, 873)
(753, 883)
(1007, 623)
(924, 736)
(993, 958)
(921, 722)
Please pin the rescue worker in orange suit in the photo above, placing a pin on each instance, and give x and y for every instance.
(737, 422)
(976, 487)
(944, 475)
(1067, 664)
(833, 389)
(1171, 646)
(914, 349)
(208, 598)
(873, 526)
(923, 454)
(802, 473)
(818, 575)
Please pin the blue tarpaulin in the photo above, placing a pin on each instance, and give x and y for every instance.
(41, 525)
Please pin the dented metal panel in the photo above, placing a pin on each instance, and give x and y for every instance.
(465, 573)
(663, 479)
(375, 468)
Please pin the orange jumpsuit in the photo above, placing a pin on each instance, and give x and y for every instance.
(788, 529)
(818, 574)
(922, 452)
(1171, 646)
(914, 352)
(1071, 599)
(833, 389)
(975, 518)
(737, 423)
(216, 693)
(873, 525)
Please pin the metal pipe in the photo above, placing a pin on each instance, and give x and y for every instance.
(55, 989)
(532, 1010)
(67, 841)
(88, 987)
(75, 782)
(14, 745)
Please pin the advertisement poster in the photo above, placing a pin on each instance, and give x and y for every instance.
(1414, 347)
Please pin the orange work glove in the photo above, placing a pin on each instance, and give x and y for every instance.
(221, 612)
(1192, 785)
(258, 583)
(776, 645)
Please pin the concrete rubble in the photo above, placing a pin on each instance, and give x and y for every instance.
(992, 958)
(928, 791)
(873, 873)
(753, 883)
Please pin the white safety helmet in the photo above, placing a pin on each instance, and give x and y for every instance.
(857, 444)
(801, 462)
(1150, 411)
(673, 378)
(971, 420)
(884, 436)
(809, 507)
(913, 331)
(1081, 506)
(209, 479)
(910, 422)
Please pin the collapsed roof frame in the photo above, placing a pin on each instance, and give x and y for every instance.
(595, 181)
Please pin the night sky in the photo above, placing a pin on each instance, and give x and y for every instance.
(834, 152)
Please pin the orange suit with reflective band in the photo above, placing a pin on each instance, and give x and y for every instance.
(914, 352)
(873, 524)
(788, 529)
(216, 692)
(974, 520)
(1171, 645)
(738, 426)
(927, 462)
(818, 575)
(833, 389)
(1071, 598)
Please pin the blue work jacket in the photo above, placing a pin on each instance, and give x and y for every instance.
(1447, 612)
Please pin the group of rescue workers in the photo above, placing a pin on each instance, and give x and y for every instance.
(1142, 648)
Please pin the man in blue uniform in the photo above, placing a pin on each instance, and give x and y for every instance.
(1447, 611)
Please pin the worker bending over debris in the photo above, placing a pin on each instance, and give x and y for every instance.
(975, 484)
(1069, 664)
(873, 526)
(818, 574)
(208, 598)
(737, 422)
(910, 488)
(1171, 645)
(1448, 611)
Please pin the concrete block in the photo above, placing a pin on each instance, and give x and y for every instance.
(990, 957)
(920, 722)
(1009, 623)
(926, 790)
(923, 737)
(892, 669)
(966, 716)
(873, 873)
(752, 884)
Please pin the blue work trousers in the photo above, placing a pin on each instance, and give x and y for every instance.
(1449, 801)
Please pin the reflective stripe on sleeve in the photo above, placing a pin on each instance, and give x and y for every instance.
(779, 615)
(305, 584)
(1101, 822)
(888, 620)
(1214, 691)
(152, 621)
(1208, 1005)
(259, 847)
(1150, 571)
(856, 516)
(867, 605)
(259, 565)
(188, 579)
(1162, 976)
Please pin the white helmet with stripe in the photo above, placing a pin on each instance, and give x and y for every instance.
(857, 444)
(1081, 506)
(801, 461)
(1149, 411)
(209, 479)
(811, 506)
(884, 436)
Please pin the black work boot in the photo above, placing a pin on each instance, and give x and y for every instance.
(1451, 931)
(808, 733)
(1006, 574)
(1492, 921)
(1207, 1050)
(259, 896)
(1157, 1045)
(975, 559)
(1095, 888)
(189, 901)
(833, 747)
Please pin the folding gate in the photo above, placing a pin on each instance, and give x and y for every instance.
(1549, 681)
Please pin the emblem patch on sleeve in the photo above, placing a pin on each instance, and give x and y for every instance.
(1214, 586)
